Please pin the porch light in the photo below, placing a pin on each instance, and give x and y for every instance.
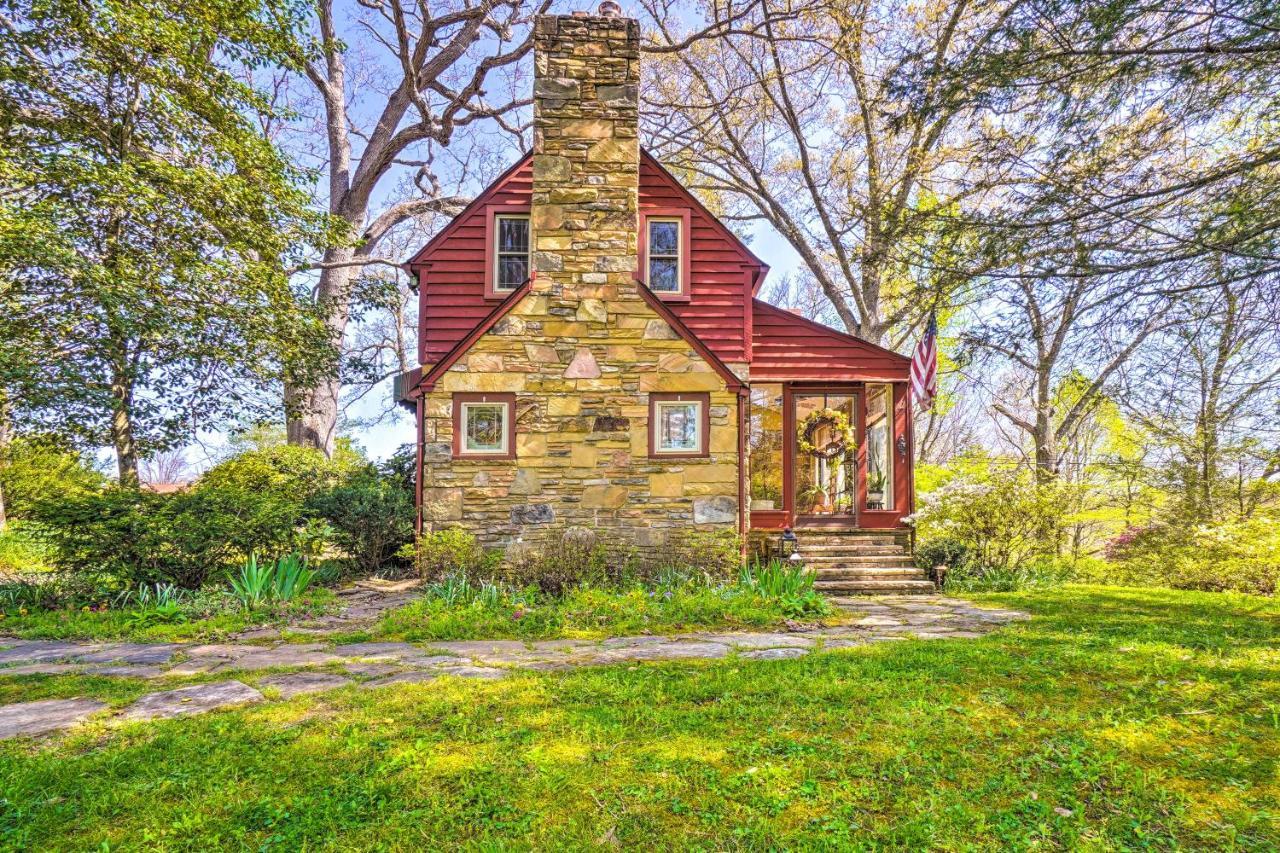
(790, 545)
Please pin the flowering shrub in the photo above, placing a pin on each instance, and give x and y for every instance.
(1239, 556)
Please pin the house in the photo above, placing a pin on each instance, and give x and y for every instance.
(594, 355)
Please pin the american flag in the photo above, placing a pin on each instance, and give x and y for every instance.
(924, 366)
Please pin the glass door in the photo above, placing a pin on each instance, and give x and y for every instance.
(825, 471)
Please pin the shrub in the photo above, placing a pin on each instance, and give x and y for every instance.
(1001, 518)
(1239, 556)
(182, 538)
(1034, 573)
(371, 512)
(36, 469)
(567, 559)
(451, 551)
(288, 473)
(717, 554)
(21, 551)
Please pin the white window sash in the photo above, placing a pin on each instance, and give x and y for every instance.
(504, 442)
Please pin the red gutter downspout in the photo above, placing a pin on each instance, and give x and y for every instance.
(744, 394)
(417, 486)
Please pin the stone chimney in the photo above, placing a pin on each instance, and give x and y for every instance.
(586, 164)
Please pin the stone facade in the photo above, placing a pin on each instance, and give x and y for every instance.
(583, 350)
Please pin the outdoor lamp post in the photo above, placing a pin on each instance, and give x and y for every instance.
(790, 545)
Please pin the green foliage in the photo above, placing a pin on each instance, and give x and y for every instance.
(282, 581)
(448, 552)
(1001, 516)
(1238, 556)
(945, 551)
(788, 583)
(567, 559)
(371, 512)
(36, 469)
(181, 538)
(1031, 574)
(147, 220)
(286, 472)
(21, 551)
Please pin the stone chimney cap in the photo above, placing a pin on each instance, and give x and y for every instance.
(609, 9)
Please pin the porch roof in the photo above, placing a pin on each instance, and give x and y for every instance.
(788, 347)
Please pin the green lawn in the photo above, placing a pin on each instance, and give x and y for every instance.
(1115, 719)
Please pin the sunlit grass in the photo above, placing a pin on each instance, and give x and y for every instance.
(1117, 719)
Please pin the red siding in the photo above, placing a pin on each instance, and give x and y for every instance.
(785, 346)
(451, 268)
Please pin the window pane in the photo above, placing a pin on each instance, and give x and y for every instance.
(513, 235)
(664, 276)
(484, 429)
(879, 447)
(512, 271)
(678, 427)
(765, 443)
(664, 238)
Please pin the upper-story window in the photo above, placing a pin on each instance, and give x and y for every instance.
(664, 252)
(510, 251)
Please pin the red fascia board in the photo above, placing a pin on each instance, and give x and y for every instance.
(460, 348)
(662, 310)
(766, 308)
(466, 212)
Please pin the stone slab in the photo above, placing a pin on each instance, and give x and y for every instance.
(376, 650)
(135, 653)
(775, 654)
(299, 683)
(49, 715)
(196, 699)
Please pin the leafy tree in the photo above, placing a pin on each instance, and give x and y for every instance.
(144, 221)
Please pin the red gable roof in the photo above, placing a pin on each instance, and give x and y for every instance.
(785, 346)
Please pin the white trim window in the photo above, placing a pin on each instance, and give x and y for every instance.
(510, 251)
(663, 249)
(485, 428)
(679, 427)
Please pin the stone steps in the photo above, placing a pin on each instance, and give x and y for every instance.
(862, 562)
(875, 587)
(834, 573)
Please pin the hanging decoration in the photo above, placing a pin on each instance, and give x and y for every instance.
(838, 422)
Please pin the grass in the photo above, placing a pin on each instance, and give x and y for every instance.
(125, 624)
(584, 613)
(1116, 719)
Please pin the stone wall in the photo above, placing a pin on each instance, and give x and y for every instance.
(583, 350)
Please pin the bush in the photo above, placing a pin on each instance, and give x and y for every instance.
(21, 551)
(287, 473)
(1001, 518)
(371, 512)
(567, 559)
(941, 551)
(452, 551)
(138, 537)
(35, 470)
(1238, 556)
(1035, 573)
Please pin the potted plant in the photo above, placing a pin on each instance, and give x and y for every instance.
(875, 490)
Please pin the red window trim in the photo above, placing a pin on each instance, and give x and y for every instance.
(686, 250)
(508, 399)
(491, 214)
(704, 398)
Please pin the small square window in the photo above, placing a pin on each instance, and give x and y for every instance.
(678, 424)
(483, 426)
(511, 252)
(663, 253)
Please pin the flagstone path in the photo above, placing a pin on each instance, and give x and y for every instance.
(379, 664)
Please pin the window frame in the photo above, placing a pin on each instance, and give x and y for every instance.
(493, 214)
(460, 403)
(703, 400)
(684, 262)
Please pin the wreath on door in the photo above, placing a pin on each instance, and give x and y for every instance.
(838, 421)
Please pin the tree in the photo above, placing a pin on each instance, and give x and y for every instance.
(836, 124)
(144, 221)
(440, 64)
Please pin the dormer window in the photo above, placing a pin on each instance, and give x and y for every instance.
(665, 253)
(510, 252)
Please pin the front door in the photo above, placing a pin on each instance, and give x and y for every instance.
(824, 470)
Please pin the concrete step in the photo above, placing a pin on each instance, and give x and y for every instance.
(870, 587)
(872, 572)
(808, 540)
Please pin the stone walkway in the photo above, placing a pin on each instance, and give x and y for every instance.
(378, 664)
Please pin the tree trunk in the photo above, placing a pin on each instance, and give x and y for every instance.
(122, 430)
(311, 409)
